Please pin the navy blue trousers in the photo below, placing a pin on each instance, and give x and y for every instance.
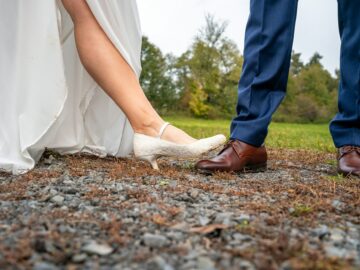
(268, 46)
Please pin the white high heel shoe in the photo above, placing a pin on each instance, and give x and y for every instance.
(149, 148)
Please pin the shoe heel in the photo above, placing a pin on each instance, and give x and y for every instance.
(151, 160)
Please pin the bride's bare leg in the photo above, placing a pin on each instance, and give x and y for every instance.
(109, 69)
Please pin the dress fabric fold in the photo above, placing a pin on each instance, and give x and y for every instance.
(47, 99)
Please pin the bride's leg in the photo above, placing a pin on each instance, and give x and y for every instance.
(109, 69)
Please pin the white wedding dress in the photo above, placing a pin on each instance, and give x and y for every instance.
(47, 99)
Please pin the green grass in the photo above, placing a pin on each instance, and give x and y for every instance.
(281, 135)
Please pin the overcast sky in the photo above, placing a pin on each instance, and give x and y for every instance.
(172, 24)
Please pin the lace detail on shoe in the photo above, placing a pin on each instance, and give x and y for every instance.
(226, 146)
(349, 149)
(231, 144)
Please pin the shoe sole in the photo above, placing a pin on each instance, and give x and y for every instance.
(248, 169)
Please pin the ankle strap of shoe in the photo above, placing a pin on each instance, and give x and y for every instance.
(162, 130)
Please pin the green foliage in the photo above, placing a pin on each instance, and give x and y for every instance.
(208, 73)
(197, 103)
(156, 79)
(296, 64)
(311, 93)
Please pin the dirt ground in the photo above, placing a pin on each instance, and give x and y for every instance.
(83, 212)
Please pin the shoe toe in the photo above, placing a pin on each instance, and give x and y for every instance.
(203, 164)
(221, 139)
(216, 141)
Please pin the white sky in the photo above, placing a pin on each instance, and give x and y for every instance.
(172, 24)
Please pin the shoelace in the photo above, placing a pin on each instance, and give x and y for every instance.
(231, 144)
(226, 146)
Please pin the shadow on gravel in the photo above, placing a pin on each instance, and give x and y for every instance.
(83, 212)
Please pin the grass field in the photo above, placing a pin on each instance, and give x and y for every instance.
(281, 135)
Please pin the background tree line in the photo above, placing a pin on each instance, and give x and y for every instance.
(203, 81)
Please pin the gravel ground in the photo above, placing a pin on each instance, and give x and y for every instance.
(82, 212)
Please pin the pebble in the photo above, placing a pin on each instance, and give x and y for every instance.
(242, 237)
(44, 266)
(158, 263)
(53, 192)
(79, 258)
(338, 205)
(223, 218)
(97, 249)
(50, 160)
(59, 200)
(194, 193)
(204, 220)
(337, 235)
(246, 265)
(321, 232)
(154, 240)
(205, 263)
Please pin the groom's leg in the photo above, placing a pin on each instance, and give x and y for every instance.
(345, 128)
(268, 45)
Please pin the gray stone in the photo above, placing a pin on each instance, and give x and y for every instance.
(335, 252)
(154, 241)
(205, 263)
(53, 192)
(97, 249)
(66, 229)
(246, 265)
(194, 193)
(158, 263)
(176, 235)
(285, 266)
(68, 182)
(58, 200)
(74, 203)
(189, 265)
(203, 220)
(338, 205)
(50, 160)
(242, 237)
(64, 208)
(223, 218)
(119, 187)
(337, 235)
(44, 266)
(79, 258)
(321, 232)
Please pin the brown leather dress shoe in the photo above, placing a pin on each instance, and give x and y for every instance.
(349, 160)
(237, 157)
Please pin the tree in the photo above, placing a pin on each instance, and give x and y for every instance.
(208, 73)
(315, 60)
(156, 78)
(296, 63)
(311, 93)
